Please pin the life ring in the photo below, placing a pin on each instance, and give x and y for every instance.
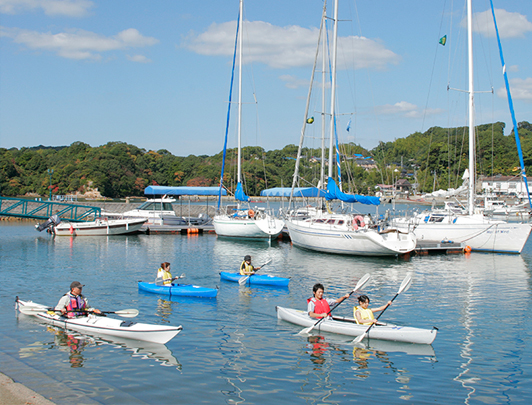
(467, 249)
(358, 221)
(251, 213)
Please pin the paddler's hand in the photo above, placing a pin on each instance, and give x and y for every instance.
(63, 311)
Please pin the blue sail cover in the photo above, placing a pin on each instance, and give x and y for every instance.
(334, 193)
(298, 192)
(239, 193)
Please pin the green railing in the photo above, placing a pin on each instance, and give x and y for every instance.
(23, 208)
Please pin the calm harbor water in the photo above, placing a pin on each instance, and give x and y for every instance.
(234, 350)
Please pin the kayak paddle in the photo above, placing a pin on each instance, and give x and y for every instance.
(243, 280)
(124, 313)
(405, 285)
(359, 285)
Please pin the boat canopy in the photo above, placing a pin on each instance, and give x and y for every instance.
(182, 190)
(298, 192)
(334, 193)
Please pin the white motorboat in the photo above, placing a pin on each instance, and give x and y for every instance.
(349, 327)
(103, 325)
(99, 227)
(153, 209)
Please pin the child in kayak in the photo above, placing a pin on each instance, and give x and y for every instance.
(246, 268)
(364, 315)
(164, 277)
(319, 307)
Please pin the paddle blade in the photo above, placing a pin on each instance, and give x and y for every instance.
(361, 282)
(243, 280)
(360, 338)
(306, 331)
(27, 310)
(405, 285)
(127, 313)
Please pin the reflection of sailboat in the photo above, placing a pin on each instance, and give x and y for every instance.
(75, 343)
(473, 229)
(324, 231)
(238, 222)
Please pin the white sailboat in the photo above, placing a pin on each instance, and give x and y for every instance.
(239, 222)
(474, 229)
(324, 231)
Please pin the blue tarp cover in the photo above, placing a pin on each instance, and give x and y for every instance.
(183, 190)
(334, 193)
(240, 195)
(298, 192)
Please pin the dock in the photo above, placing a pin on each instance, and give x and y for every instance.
(427, 247)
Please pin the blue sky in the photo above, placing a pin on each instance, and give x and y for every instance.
(156, 73)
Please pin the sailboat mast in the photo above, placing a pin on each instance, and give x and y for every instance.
(333, 87)
(240, 41)
(323, 102)
(472, 154)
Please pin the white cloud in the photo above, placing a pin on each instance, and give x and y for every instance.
(286, 47)
(71, 8)
(292, 82)
(511, 25)
(138, 58)
(406, 109)
(521, 89)
(78, 44)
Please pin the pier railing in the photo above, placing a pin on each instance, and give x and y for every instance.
(24, 208)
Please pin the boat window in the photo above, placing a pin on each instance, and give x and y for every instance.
(146, 205)
(319, 221)
(331, 221)
(341, 222)
(167, 207)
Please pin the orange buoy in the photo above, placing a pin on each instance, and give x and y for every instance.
(467, 249)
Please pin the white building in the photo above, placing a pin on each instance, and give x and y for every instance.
(507, 186)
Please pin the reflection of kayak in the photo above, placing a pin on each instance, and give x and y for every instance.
(348, 326)
(257, 279)
(102, 325)
(185, 290)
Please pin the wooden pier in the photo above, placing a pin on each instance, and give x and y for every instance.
(426, 247)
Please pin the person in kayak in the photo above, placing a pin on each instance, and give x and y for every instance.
(364, 315)
(318, 306)
(73, 304)
(164, 277)
(246, 268)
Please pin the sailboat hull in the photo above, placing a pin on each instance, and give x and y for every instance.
(308, 234)
(235, 227)
(475, 231)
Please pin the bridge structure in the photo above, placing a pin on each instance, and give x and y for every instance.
(42, 210)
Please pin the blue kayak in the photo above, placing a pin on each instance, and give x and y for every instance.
(256, 279)
(184, 290)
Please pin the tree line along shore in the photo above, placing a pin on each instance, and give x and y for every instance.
(435, 158)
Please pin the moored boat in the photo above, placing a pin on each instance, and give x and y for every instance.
(98, 227)
(103, 325)
(184, 290)
(348, 326)
(256, 279)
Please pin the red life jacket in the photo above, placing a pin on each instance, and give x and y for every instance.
(77, 302)
(320, 306)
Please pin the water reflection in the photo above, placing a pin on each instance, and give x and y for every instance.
(75, 344)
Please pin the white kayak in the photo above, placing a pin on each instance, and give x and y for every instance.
(103, 325)
(348, 326)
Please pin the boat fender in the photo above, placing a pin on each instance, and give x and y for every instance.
(126, 324)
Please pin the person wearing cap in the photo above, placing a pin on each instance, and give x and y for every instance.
(246, 268)
(73, 301)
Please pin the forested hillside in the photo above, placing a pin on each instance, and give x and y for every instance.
(118, 169)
